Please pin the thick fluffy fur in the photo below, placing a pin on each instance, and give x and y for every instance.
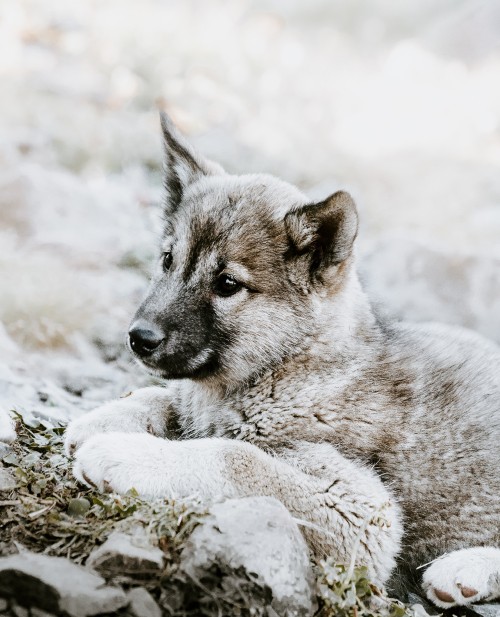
(292, 387)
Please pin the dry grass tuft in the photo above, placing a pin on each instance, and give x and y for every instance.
(50, 512)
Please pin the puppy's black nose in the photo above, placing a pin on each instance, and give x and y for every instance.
(144, 340)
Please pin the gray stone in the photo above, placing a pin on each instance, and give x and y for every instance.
(5, 449)
(419, 611)
(3, 604)
(56, 585)
(259, 535)
(7, 480)
(36, 612)
(127, 555)
(486, 610)
(142, 603)
(20, 611)
(421, 606)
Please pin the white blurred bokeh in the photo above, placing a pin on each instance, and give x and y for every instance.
(398, 102)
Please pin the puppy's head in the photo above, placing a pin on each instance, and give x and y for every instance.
(242, 260)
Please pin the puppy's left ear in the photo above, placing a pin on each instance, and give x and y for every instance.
(183, 165)
(324, 232)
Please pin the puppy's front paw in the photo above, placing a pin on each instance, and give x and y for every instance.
(78, 431)
(128, 415)
(463, 577)
(156, 467)
(118, 462)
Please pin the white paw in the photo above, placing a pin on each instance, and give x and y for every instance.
(117, 462)
(463, 577)
(154, 467)
(81, 429)
(138, 412)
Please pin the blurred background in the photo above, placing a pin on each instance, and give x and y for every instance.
(397, 102)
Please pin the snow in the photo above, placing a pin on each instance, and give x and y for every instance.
(397, 102)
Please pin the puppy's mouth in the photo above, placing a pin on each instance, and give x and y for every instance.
(177, 366)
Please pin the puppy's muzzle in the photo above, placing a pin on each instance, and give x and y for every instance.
(144, 339)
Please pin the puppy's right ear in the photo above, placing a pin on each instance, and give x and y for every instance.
(183, 165)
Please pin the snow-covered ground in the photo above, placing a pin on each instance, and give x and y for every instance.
(399, 102)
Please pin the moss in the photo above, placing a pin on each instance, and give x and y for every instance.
(50, 512)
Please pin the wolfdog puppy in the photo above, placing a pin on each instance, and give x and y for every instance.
(282, 381)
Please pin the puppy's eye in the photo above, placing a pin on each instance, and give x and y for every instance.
(227, 285)
(167, 261)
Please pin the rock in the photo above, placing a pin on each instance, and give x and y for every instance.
(57, 586)
(7, 480)
(20, 611)
(486, 610)
(127, 555)
(3, 605)
(256, 535)
(36, 612)
(142, 603)
(419, 611)
(421, 606)
(78, 506)
(5, 449)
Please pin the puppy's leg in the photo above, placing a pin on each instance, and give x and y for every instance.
(348, 505)
(462, 577)
(147, 410)
(345, 508)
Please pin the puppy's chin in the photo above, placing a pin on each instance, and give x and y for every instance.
(202, 366)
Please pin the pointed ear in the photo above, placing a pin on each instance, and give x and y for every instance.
(324, 232)
(183, 165)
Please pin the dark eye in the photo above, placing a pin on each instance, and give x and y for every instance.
(167, 260)
(227, 285)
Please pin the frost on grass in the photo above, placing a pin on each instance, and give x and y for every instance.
(49, 512)
(346, 592)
